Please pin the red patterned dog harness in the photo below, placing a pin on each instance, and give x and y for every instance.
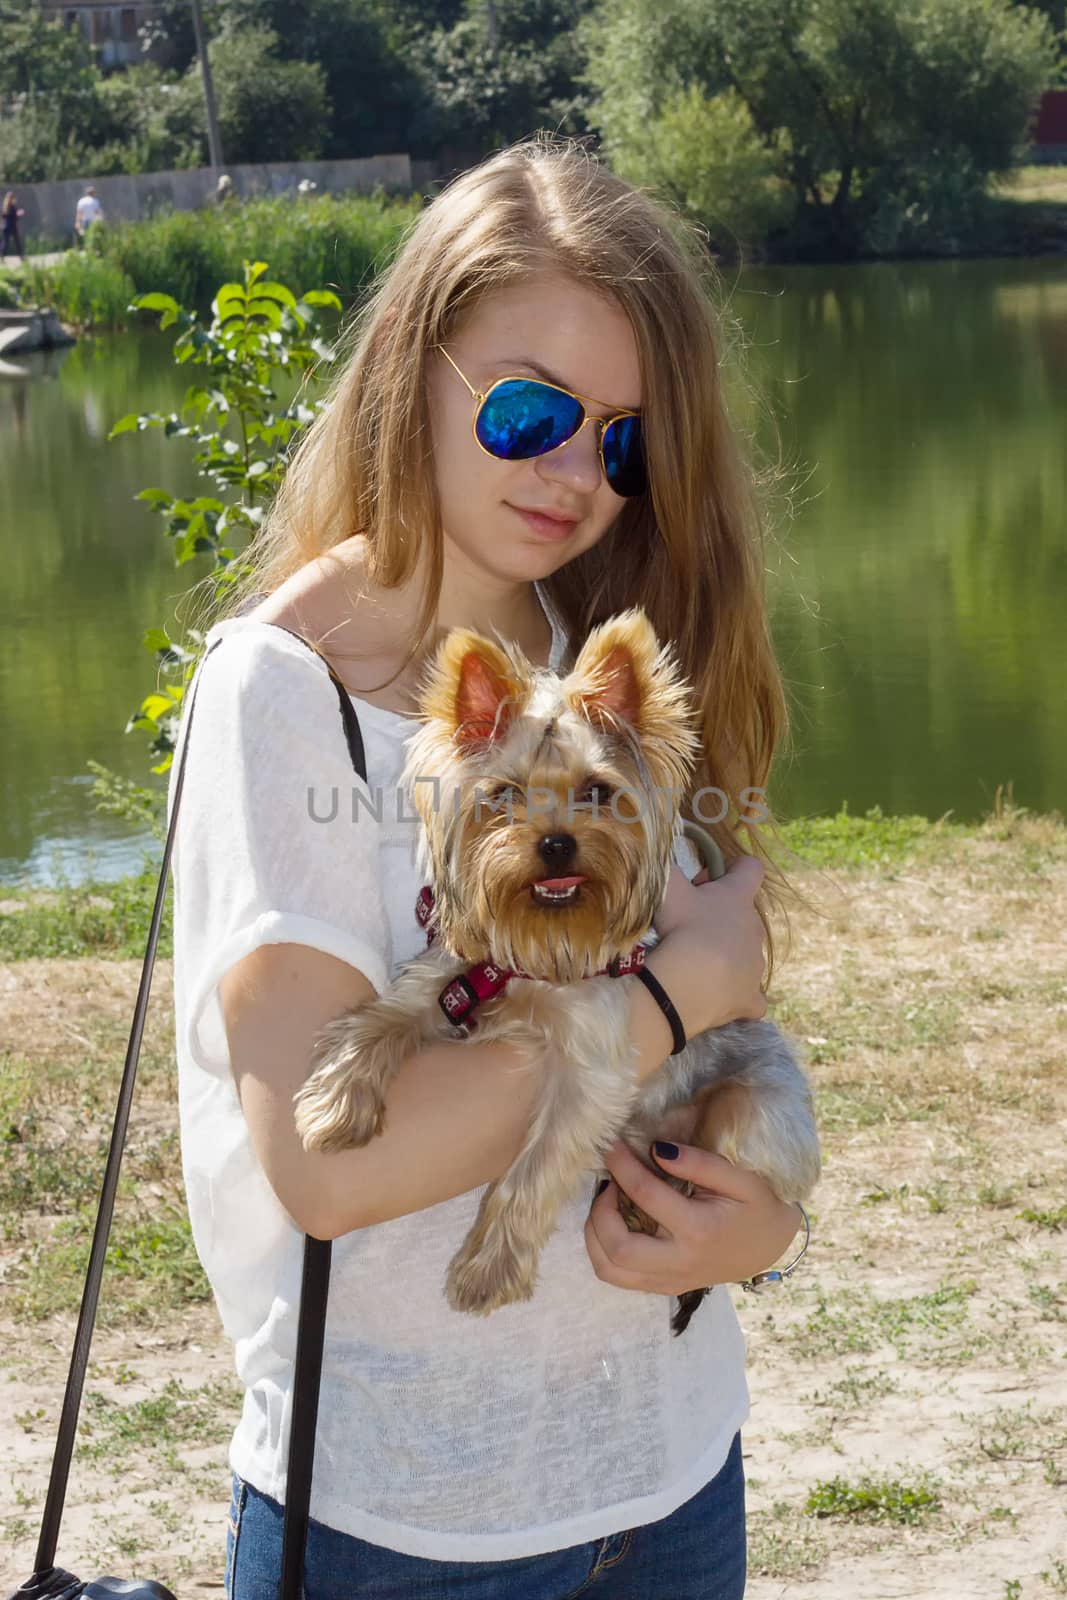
(467, 990)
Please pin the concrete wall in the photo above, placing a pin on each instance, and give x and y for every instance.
(49, 207)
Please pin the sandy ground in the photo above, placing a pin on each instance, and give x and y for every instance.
(924, 1343)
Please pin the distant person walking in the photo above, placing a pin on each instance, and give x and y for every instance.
(86, 212)
(11, 241)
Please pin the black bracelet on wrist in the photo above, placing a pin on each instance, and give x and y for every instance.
(666, 1005)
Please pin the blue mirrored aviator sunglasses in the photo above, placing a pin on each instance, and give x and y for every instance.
(517, 418)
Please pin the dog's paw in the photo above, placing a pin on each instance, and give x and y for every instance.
(339, 1109)
(639, 1221)
(770, 1132)
(487, 1275)
(636, 1220)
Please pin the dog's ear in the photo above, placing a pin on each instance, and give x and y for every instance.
(616, 672)
(474, 689)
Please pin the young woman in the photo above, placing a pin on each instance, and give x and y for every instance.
(571, 1444)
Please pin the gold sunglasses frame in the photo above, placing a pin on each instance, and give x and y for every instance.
(584, 400)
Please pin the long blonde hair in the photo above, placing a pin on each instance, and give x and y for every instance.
(691, 552)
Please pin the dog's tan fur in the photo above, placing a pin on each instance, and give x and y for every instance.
(493, 724)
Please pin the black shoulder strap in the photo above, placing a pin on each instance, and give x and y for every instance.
(316, 1273)
(348, 711)
(314, 1293)
(79, 1361)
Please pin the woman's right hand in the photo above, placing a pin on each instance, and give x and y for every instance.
(710, 958)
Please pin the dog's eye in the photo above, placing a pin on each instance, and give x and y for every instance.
(596, 794)
(502, 797)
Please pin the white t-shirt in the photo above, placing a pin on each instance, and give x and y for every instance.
(87, 210)
(548, 1424)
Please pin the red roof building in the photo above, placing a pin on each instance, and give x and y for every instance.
(1050, 128)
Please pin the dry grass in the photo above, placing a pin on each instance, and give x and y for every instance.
(908, 1385)
(932, 1321)
(1036, 183)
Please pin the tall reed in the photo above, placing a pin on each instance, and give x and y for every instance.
(85, 291)
(337, 242)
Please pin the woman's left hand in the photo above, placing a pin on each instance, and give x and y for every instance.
(733, 1226)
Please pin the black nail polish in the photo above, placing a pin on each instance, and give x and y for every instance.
(665, 1150)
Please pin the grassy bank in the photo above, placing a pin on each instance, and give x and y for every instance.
(111, 919)
(336, 242)
(907, 1428)
(1028, 212)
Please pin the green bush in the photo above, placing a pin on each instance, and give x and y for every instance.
(706, 156)
(48, 97)
(85, 290)
(940, 210)
(151, 122)
(92, 918)
(340, 241)
(261, 339)
(269, 109)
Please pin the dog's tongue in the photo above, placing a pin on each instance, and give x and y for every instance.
(558, 883)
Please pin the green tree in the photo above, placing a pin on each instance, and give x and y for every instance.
(422, 15)
(50, 109)
(60, 117)
(269, 109)
(497, 74)
(364, 50)
(705, 155)
(1055, 11)
(44, 58)
(880, 112)
(168, 32)
(152, 122)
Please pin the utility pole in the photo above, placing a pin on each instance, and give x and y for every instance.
(214, 143)
(492, 39)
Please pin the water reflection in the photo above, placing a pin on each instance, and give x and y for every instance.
(85, 571)
(918, 595)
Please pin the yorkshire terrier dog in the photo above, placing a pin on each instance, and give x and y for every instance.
(548, 808)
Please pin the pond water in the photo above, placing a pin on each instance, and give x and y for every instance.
(919, 589)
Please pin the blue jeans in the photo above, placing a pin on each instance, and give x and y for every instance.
(697, 1553)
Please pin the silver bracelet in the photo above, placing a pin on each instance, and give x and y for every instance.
(779, 1275)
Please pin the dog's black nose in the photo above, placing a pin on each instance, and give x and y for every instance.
(557, 849)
